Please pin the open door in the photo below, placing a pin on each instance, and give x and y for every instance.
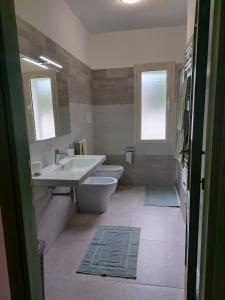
(212, 271)
(16, 193)
(195, 151)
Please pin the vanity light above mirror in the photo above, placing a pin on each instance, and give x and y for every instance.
(51, 62)
(34, 62)
(46, 62)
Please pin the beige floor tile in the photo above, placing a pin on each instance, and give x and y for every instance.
(161, 227)
(145, 292)
(76, 288)
(65, 260)
(161, 264)
(160, 260)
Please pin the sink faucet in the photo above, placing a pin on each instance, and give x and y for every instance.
(57, 156)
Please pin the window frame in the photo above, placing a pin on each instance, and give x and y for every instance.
(139, 68)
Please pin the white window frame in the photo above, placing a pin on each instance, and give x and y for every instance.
(170, 68)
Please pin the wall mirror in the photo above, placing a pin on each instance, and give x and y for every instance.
(46, 99)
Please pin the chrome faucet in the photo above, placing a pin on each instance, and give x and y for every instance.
(57, 156)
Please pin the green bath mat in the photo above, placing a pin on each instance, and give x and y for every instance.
(166, 197)
(113, 252)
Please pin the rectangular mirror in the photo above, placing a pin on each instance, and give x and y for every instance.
(46, 118)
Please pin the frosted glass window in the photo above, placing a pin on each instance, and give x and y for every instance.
(153, 105)
(41, 93)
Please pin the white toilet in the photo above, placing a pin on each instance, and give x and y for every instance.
(114, 171)
(94, 193)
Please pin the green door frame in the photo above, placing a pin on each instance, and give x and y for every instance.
(16, 191)
(200, 57)
(212, 273)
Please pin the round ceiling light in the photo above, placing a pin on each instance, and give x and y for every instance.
(129, 1)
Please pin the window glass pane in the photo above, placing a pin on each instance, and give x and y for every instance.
(153, 105)
(41, 93)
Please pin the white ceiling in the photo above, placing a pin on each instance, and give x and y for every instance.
(113, 15)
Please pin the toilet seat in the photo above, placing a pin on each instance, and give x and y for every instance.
(115, 171)
(99, 181)
(110, 168)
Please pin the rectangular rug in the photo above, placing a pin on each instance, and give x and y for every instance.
(163, 197)
(113, 252)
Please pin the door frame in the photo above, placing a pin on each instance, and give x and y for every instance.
(16, 199)
(212, 271)
(199, 75)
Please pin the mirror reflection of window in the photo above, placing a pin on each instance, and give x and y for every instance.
(42, 102)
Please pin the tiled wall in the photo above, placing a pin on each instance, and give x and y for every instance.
(75, 97)
(147, 170)
(113, 86)
(113, 97)
(52, 213)
(74, 92)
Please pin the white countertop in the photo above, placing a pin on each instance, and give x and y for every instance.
(71, 171)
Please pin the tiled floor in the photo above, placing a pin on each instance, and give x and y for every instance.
(160, 271)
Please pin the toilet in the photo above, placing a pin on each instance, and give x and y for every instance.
(94, 193)
(114, 171)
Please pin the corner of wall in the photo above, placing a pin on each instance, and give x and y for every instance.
(61, 25)
(191, 8)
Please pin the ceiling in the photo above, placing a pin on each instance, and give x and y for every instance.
(113, 15)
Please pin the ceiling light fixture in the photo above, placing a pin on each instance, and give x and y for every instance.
(34, 62)
(49, 61)
(129, 1)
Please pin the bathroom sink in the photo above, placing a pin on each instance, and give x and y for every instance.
(78, 163)
(71, 171)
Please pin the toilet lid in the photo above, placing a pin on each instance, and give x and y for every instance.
(109, 168)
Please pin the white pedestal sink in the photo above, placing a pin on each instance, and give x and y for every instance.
(71, 171)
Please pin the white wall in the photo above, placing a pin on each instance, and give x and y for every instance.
(191, 6)
(126, 48)
(55, 19)
(118, 49)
